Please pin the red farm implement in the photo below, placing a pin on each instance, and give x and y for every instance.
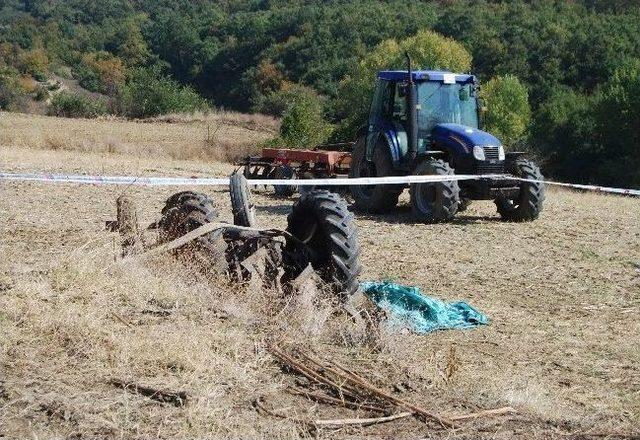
(324, 161)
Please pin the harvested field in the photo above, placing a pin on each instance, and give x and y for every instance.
(563, 294)
(218, 135)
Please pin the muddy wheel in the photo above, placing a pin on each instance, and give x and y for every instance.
(320, 219)
(438, 201)
(373, 198)
(185, 211)
(283, 172)
(528, 205)
(243, 211)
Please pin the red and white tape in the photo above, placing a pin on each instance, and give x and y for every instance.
(205, 181)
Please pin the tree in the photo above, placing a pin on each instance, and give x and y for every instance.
(508, 112)
(427, 50)
(303, 124)
(619, 123)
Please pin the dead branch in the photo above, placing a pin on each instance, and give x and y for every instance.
(337, 423)
(176, 398)
(358, 380)
(309, 373)
(323, 398)
(330, 423)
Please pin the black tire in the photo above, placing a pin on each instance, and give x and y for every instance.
(528, 205)
(438, 201)
(185, 211)
(464, 204)
(322, 221)
(373, 198)
(283, 172)
(243, 211)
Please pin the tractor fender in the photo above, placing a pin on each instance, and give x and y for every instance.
(395, 138)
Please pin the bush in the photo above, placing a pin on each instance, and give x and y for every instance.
(71, 105)
(508, 112)
(101, 72)
(303, 124)
(12, 96)
(277, 102)
(618, 120)
(149, 93)
(565, 133)
(35, 62)
(426, 48)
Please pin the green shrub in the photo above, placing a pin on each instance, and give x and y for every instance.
(303, 124)
(71, 105)
(12, 97)
(508, 112)
(149, 93)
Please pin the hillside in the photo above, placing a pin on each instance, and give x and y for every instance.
(561, 293)
(569, 71)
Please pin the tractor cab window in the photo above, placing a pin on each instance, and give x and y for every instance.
(446, 103)
(399, 109)
(380, 102)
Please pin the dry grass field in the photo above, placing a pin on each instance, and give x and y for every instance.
(562, 293)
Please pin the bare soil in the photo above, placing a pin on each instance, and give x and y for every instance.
(562, 293)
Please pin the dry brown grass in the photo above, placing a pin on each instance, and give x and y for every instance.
(562, 294)
(217, 136)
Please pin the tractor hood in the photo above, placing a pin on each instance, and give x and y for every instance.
(462, 137)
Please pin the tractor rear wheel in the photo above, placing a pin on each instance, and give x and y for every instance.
(528, 205)
(322, 222)
(438, 201)
(373, 198)
(184, 212)
(243, 211)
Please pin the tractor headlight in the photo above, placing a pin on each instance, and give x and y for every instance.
(501, 153)
(478, 152)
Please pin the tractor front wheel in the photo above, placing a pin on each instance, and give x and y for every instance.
(438, 201)
(528, 205)
(243, 210)
(373, 198)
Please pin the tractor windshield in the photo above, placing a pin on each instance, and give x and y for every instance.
(442, 103)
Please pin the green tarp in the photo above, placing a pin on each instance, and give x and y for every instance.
(408, 307)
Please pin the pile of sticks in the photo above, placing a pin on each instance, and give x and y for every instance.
(343, 387)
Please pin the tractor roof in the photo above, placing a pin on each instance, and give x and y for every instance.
(426, 75)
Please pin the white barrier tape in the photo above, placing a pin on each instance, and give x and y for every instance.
(199, 181)
(606, 189)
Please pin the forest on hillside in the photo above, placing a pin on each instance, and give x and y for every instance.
(562, 78)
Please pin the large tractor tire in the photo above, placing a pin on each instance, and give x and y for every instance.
(373, 198)
(528, 205)
(321, 221)
(283, 172)
(185, 211)
(243, 211)
(435, 202)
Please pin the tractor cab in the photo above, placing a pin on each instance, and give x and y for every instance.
(447, 120)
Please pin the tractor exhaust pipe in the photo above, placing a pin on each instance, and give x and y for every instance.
(412, 112)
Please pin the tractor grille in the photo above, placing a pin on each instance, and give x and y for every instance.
(492, 163)
(491, 152)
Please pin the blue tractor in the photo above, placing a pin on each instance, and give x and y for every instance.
(428, 123)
